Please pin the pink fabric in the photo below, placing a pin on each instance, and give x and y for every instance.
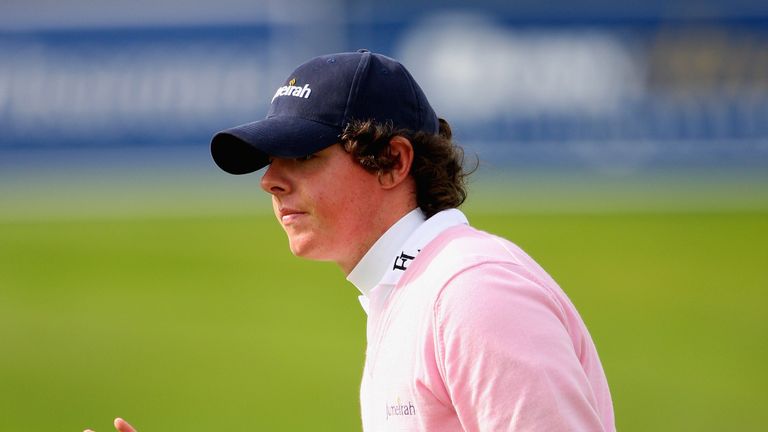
(478, 337)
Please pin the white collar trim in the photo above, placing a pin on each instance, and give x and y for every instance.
(420, 238)
(390, 256)
(374, 264)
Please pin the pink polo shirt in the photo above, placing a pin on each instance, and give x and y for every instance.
(467, 333)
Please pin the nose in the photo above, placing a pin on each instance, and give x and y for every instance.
(274, 181)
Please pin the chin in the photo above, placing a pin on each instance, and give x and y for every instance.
(310, 251)
(302, 248)
(296, 250)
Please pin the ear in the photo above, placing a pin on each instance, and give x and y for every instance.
(402, 150)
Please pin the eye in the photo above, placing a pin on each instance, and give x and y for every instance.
(306, 158)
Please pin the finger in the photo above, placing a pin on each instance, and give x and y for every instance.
(123, 426)
(87, 430)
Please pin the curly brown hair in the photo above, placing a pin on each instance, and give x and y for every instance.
(437, 166)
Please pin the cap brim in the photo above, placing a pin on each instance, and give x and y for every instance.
(247, 148)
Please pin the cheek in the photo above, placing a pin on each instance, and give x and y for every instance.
(275, 207)
(349, 210)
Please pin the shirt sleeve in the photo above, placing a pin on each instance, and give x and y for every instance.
(507, 356)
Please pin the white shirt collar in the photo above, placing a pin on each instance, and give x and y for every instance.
(390, 256)
(369, 271)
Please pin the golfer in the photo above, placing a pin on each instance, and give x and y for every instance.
(465, 331)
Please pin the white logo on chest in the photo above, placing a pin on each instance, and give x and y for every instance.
(400, 409)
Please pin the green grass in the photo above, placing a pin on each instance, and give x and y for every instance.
(208, 323)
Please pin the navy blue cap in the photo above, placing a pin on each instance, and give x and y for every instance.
(309, 112)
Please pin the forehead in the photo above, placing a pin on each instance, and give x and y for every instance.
(333, 160)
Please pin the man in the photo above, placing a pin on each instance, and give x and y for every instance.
(465, 331)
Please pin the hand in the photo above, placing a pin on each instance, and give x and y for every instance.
(121, 425)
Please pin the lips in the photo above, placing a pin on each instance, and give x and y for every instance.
(289, 215)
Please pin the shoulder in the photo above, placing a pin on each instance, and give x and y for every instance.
(462, 246)
(479, 278)
(463, 249)
(491, 295)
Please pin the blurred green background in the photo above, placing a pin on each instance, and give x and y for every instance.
(178, 306)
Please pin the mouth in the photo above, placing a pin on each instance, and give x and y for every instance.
(288, 216)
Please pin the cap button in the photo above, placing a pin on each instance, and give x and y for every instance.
(362, 50)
